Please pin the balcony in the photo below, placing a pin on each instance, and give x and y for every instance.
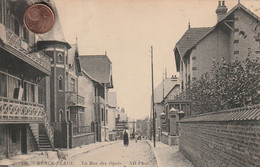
(12, 110)
(74, 99)
(99, 99)
(19, 48)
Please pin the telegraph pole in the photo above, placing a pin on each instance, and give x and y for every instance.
(153, 97)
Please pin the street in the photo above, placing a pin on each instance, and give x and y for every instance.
(112, 154)
(135, 154)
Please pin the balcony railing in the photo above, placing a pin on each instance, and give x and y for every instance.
(20, 45)
(73, 99)
(99, 99)
(11, 109)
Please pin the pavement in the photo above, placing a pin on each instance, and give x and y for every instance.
(168, 156)
(44, 156)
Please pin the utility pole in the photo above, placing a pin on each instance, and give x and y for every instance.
(153, 97)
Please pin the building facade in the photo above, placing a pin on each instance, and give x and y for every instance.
(235, 36)
(99, 68)
(24, 120)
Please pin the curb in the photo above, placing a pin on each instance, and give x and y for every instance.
(153, 153)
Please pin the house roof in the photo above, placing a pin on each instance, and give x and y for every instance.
(56, 33)
(163, 89)
(190, 37)
(238, 6)
(112, 99)
(194, 35)
(186, 45)
(99, 67)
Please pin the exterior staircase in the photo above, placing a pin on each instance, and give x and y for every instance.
(41, 137)
(43, 134)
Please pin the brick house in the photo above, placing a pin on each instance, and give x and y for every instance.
(236, 35)
(67, 107)
(99, 68)
(24, 118)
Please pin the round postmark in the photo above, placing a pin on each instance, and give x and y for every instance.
(39, 18)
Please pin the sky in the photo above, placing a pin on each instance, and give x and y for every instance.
(126, 30)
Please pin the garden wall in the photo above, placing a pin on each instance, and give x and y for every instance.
(227, 138)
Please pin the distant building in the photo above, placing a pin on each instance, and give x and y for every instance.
(143, 127)
(112, 110)
(167, 89)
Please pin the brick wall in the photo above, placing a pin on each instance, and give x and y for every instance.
(83, 139)
(230, 140)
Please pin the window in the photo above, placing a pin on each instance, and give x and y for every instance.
(194, 68)
(193, 58)
(60, 83)
(236, 52)
(72, 84)
(25, 35)
(236, 41)
(59, 115)
(3, 85)
(60, 57)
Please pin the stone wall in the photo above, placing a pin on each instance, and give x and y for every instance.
(83, 139)
(229, 138)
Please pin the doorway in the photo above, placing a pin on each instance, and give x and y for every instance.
(23, 140)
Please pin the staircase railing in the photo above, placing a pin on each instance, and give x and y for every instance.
(48, 128)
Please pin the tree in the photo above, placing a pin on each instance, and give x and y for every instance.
(229, 85)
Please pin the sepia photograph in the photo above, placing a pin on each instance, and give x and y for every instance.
(129, 83)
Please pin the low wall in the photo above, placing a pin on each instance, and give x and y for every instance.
(83, 139)
(164, 138)
(228, 138)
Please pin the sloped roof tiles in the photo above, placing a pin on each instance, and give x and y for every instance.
(190, 37)
(98, 67)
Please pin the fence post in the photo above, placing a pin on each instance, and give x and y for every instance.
(70, 134)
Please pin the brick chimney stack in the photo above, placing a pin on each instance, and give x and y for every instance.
(221, 10)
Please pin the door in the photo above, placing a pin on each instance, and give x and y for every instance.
(23, 139)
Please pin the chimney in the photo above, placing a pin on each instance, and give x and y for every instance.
(221, 10)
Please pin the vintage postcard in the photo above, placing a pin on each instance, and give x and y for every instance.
(129, 83)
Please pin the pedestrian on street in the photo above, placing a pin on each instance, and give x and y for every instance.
(126, 140)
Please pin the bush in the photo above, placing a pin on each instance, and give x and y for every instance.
(231, 85)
